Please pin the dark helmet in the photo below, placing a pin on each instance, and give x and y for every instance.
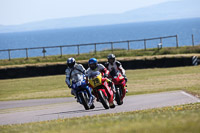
(111, 58)
(71, 62)
(92, 63)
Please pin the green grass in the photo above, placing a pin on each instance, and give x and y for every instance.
(103, 55)
(177, 119)
(140, 81)
(164, 79)
(32, 88)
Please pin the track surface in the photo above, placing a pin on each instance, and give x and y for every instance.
(24, 111)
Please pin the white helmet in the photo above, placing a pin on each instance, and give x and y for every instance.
(71, 62)
(111, 58)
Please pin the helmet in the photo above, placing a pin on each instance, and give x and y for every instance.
(92, 63)
(111, 58)
(71, 62)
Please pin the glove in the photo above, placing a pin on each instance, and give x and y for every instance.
(125, 78)
(69, 86)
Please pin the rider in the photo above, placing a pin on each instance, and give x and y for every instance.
(74, 71)
(94, 66)
(114, 64)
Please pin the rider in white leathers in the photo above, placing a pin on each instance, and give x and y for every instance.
(114, 64)
(75, 72)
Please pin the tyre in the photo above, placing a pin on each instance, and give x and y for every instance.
(92, 106)
(103, 99)
(84, 101)
(118, 96)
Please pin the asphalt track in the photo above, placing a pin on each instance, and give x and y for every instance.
(25, 111)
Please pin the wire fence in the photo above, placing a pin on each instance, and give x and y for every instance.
(128, 44)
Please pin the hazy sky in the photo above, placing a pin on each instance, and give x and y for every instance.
(14, 12)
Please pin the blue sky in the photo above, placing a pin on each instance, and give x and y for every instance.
(13, 12)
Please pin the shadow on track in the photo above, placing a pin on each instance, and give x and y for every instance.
(76, 111)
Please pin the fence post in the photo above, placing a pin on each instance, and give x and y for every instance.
(176, 41)
(128, 45)
(9, 54)
(78, 49)
(44, 51)
(160, 44)
(26, 53)
(112, 46)
(161, 40)
(60, 51)
(95, 48)
(145, 44)
(192, 40)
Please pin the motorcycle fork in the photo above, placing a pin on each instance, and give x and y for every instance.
(110, 94)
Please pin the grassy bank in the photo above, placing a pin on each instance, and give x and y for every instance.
(103, 55)
(139, 82)
(177, 119)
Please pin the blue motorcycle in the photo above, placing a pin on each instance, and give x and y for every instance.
(81, 90)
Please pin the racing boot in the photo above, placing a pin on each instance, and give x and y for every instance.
(126, 89)
(91, 102)
(112, 105)
(73, 92)
(92, 98)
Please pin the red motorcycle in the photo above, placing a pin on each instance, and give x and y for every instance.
(120, 85)
(101, 90)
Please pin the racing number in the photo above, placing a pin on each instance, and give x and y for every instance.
(96, 81)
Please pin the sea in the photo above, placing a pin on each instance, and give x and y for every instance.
(184, 28)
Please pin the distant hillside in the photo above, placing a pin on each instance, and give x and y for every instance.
(164, 11)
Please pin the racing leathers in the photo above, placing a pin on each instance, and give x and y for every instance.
(75, 74)
(102, 69)
(99, 68)
(116, 65)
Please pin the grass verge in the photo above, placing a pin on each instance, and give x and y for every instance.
(177, 119)
(140, 81)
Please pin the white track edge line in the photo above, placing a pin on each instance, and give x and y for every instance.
(191, 96)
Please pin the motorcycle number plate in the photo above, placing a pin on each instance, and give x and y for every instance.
(96, 82)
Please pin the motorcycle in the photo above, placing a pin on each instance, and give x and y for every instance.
(120, 85)
(80, 87)
(101, 90)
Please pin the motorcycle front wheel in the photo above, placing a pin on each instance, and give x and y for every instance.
(103, 99)
(84, 101)
(118, 96)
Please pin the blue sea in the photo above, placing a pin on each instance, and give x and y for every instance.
(120, 32)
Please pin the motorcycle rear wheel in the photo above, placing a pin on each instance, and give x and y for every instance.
(103, 99)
